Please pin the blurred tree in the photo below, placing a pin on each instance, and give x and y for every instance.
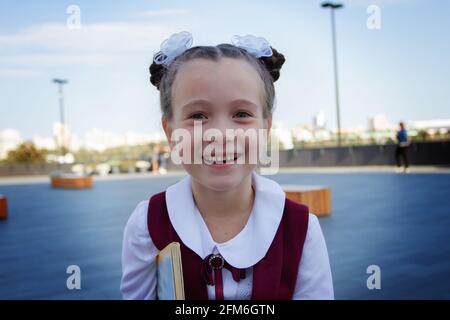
(26, 153)
(423, 135)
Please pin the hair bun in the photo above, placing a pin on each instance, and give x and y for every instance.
(274, 63)
(156, 74)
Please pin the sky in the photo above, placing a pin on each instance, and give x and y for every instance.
(401, 69)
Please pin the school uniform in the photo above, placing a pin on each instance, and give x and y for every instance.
(279, 254)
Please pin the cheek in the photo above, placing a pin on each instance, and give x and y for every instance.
(251, 141)
(176, 128)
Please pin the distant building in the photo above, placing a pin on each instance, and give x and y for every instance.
(283, 135)
(378, 122)
(9, 140)
(322, 135)
(75, 143)
(319, 121)
(319, 131)
(44, 142)
(62, 135)
(303, 132)
(100, 140)
(436, 125)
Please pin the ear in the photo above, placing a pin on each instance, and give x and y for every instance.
(167, 129)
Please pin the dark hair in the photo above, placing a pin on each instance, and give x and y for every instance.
(162, 77)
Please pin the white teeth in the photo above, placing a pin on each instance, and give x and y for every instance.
(218, 159)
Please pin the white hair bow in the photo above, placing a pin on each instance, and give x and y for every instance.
(173, 47)
(257, 46)
(180, 42)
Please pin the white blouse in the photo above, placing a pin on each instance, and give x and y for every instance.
(314, 279)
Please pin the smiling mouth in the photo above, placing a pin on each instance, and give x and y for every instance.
(221, 160)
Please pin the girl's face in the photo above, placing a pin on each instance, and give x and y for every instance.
(227, 94)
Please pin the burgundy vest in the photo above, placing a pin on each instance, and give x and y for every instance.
(274, 276)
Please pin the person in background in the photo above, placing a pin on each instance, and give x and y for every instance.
(401, 151)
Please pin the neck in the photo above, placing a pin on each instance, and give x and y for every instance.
(217, 205)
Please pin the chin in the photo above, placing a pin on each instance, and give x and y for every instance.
(220, 180)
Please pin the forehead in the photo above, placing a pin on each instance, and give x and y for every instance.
(218, 81)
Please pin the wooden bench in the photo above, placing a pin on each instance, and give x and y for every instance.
(3, 207)
(71, 181)
(317, 198)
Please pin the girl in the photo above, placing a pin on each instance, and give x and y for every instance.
(240, 237)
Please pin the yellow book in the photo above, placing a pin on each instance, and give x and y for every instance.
(170, 284)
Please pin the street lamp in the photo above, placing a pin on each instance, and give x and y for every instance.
(60, 83)
(334, 6)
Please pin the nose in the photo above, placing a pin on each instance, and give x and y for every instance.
(220, 126)
(220, 133)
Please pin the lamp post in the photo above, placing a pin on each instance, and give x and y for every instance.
(60, 83)
(333, 6)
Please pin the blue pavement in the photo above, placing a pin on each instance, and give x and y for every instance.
(399, 222)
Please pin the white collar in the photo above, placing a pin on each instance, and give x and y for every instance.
(249, 246)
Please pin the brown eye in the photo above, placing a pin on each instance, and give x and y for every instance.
(197, 116)
(242, 114)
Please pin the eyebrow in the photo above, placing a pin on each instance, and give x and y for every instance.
(244, 101)
(203, 102)
(196, 103)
